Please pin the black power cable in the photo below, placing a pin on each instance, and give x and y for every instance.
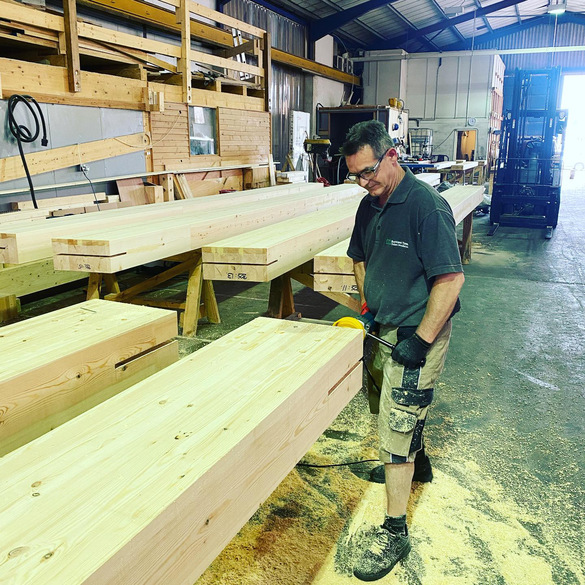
(23, 134)
(338, 464)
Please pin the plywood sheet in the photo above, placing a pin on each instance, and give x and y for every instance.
(150, 486)
(132, 191)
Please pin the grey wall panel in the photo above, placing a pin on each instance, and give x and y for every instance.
(120, 122)
(66, 126)
(69, 125)
(119, 165)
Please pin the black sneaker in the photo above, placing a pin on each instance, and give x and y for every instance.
(384, 552)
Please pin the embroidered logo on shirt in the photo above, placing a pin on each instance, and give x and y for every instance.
(396, 243)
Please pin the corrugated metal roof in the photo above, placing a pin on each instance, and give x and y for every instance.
(425, 25)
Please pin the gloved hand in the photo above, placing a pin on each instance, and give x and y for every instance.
(367, 318)
(411, 352)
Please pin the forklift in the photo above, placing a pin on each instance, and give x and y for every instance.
(527, 182)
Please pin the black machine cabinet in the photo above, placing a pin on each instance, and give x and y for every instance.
(527, 183)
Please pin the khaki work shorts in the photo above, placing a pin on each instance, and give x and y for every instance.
(405, 395)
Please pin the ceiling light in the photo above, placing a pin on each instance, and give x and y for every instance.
(454, 10)
(557, 7)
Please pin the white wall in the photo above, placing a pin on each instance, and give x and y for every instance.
(439, 93)
(384, 79)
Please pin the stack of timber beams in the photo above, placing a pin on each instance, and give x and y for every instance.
(266, 253)
(333, 268)
(59, 365)
(149, 486)
(25, 242)
(113, 248)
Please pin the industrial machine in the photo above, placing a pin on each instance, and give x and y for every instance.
(527, 183)
(316, 147)
(334, 123)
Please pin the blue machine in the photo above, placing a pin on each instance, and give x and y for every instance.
(527, 183)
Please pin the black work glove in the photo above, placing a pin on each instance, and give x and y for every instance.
(411, 352)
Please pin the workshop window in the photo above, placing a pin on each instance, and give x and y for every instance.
(202, 130)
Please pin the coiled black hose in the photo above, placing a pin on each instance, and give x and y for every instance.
(23, 134)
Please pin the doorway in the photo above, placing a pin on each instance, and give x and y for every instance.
(466, 141)
(574, 153)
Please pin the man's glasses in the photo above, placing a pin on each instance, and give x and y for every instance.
(366, 174)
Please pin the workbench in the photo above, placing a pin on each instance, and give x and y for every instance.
(464, 172)
(426, 165)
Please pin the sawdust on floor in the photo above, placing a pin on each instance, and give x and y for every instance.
(289, 537)
(467, 527)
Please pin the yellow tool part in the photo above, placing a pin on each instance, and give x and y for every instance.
(350, 323)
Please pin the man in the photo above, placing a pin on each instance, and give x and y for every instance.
(409, 275)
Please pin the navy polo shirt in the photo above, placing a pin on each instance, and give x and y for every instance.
(404, 245)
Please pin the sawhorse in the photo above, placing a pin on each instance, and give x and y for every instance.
(199, 302)
(281, 303)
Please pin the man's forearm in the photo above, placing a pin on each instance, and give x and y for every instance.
(359, 270)
(442, 299)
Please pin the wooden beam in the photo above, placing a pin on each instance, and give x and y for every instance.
(205, 12)
(33, 277)
(343, 298)
(246, 47)
(271, 251)
(9, 309)
(72, 43)
(112, 249)
(22, 242)
(137, 486)
(314, 67)
(59, 202)
(184, 62)
(58, 158)
(50, 84)
(101, 348)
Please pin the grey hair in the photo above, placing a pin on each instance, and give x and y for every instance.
(370, 133)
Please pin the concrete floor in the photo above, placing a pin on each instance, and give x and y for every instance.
(506, 433)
